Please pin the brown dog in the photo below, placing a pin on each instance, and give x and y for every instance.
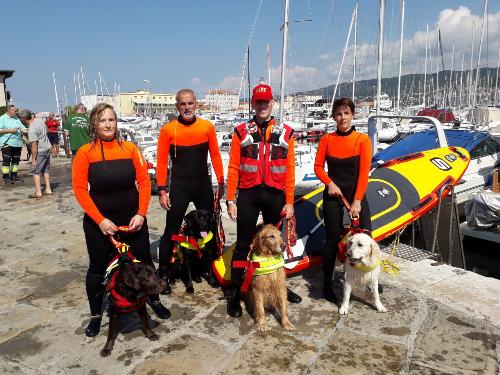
(268, 289)
(129, 288)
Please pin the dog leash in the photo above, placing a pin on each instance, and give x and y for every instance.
(388, 266)
(220, 236)
(124, 254)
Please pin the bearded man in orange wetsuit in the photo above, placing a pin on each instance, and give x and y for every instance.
(262, 168)
(187, 141)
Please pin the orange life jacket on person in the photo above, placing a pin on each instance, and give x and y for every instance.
(263, 161)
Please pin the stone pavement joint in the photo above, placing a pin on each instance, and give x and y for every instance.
(440, 320)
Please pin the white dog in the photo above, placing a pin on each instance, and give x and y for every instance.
(361, 267)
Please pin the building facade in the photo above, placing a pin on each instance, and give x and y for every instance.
(4, 93)
(221, 100)
(144, 103)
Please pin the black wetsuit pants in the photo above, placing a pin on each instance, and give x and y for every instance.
(333, 212)
(10, 161)
(180, 196)
(101, 252)
(250, 203)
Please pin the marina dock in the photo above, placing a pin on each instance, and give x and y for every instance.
(440, 320)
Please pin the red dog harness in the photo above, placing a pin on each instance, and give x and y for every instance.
(123, 305)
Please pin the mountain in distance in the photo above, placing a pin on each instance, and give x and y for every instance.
(411, 85)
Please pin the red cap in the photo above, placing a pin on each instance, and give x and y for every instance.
(262, 92)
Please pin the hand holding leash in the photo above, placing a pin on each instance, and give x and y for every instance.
(107, 227)
(289, 210)
(353, 209)
(333, 189)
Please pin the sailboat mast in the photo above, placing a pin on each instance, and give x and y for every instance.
(469, 99)
(380, 52)
(496, 81)
(283, 61)
(479, 54)
(451, 73)
(425, 65)
(354, 12)
(355, 46)
(461, 81)
(55, 90)
(437, 68)
(400, 53)
(268, 64)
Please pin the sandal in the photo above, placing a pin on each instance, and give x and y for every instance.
(45, 193)
(35, 196)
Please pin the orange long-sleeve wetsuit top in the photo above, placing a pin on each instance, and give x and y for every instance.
(187, 144)
(104, 181)
(234, 166)
(349, 156)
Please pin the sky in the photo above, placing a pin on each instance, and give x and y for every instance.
(202, 44)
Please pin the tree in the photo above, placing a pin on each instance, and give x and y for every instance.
(3, 110)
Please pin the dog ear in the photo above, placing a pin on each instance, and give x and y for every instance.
(375, 251)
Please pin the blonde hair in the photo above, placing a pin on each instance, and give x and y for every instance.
(95, 116)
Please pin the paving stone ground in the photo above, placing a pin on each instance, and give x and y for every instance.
(440, 320)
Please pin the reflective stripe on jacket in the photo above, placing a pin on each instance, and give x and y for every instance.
(263, 161)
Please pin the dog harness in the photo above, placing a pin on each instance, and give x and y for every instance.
(258, 266)
(124, 255)
(343, 252)
(191, 242)
(122, 305)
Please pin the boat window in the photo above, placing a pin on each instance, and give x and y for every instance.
(482, 149)
(494, 144)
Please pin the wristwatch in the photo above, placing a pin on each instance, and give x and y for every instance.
(229, 203)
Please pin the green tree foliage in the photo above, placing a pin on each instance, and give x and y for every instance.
(3, 110)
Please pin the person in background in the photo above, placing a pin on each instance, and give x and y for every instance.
(262, 169)
(111, 184)
(77, 128)
(348, 155)
(52, 133)
(40, 148)
(11, 143)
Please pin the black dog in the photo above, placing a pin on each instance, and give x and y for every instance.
(129, 288)
(189, 266)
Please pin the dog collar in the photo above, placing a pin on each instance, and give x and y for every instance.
(365, 268)
(120, 303)
(191, 242)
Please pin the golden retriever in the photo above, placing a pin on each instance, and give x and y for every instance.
(268, 290)
(362, 268)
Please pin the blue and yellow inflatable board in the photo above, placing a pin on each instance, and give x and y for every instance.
(399, 192)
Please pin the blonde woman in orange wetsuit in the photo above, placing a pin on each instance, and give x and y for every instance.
(111, 167)
(348, 155)
(186, 141)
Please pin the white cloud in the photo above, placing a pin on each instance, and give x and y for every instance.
(455, 26)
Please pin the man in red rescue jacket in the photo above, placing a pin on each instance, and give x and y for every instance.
(262, 169)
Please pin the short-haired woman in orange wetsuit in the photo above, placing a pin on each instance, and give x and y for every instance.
(111, 167)
(348, 155)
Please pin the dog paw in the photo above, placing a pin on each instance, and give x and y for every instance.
(381, 308)
(343, 310)
(153, 337)
(288, 326)
(262, 327)
(105, 352)
(190, 290)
